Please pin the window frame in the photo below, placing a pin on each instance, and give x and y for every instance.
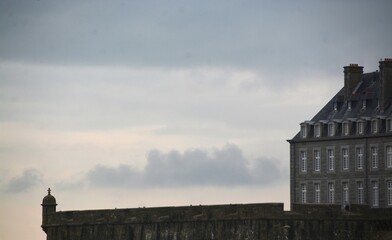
(331, 192)
(303, 193)
(388, 192)
(331, 159)
(359, 161)
(375, 193)
(317, 130)
(345, 128)
(303, 161)
(360, 127)
(317, 160)
(317, 193)
(331, 129)
(303, 130)
(360, 192)
(374, 157)
(388, 125)
(345, 158)
(345, 192)
(374, 126)
(388, 156)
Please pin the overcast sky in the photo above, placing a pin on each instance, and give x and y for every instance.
(151, 103)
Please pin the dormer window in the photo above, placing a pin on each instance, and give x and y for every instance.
(303, 131)
(389, 125)
(331, 129)
(360, 127)
(345, 128)
(317, 130)
(374, 126)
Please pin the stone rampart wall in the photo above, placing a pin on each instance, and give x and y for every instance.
(220, 222)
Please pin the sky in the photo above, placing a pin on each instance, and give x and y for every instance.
(123, 104)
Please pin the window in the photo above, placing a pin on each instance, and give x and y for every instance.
(317, 130)
(345, 160)
(331, 129)
(331, 193)
(316, 159)
(345, 129)
(349, 105)
(303, 161)
(389, 156)
(389, 193)
(360, 192)
(331, 160)
(359, 158)
(364, 104)
(317, 193)
(335, 106)
(389, 125)
(303, 131)
(374, 157)
(374, 193)
(303, 193)
(374, 126)
(360, 127)
(345, 195)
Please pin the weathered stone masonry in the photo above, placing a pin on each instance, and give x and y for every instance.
(220, 222)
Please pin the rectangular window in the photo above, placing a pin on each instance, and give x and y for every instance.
(317, 193)
(345, 160)
(360, 127)
(331, 193)
(374, 156)
(359, 158)
(303, 131)
(303, 193)
(345, 128)
(303, 161)
(374, 126)
(316, 159)
(317, 130)
(374, 193)
(389, 156)
(331, 160)
(331, 129)
(389, 193)
(345, 193)
(389, 125)
(360, 192)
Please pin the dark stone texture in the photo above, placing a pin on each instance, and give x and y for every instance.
(221, 222)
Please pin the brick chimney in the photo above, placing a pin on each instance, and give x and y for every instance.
(352, 76)
(385, 83)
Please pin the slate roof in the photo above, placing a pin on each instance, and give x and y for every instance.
(368, 90)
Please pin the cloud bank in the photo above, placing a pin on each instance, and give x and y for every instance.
(226, 167)
(29, 179)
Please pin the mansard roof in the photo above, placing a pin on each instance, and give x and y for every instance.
(368, 90)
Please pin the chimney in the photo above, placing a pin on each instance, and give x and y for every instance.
(352, 76)
(385, 83)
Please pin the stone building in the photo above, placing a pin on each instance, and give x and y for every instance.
(343, 155)
(341, 184)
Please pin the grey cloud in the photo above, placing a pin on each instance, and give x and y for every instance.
(29, 179)
(224, 167)
(121, 176)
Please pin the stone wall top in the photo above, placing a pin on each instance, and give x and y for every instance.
(168, 214)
